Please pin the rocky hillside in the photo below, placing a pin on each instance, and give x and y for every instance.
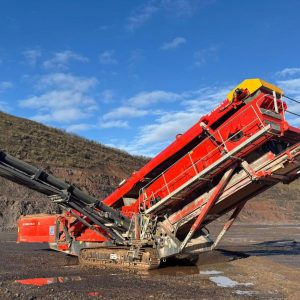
(93, 167)
(278, 204)
(98, 169)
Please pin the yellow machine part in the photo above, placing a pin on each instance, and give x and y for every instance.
(253, 85)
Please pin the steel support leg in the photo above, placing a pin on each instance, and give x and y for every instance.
(228, 223)
(213, 198)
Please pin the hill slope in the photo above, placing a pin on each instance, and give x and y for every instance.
(93, 167)
(98, 170)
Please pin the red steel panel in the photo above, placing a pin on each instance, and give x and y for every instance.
(37, 228)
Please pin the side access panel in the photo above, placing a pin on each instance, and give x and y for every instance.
(37, 228)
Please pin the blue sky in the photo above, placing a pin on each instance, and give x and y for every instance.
(133, 74)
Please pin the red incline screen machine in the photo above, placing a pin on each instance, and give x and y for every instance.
(235, 152)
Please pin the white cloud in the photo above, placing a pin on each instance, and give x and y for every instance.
(183, 8)
(142, 15)
(66, 81)
(194, 105)
(175, 43)
(57, 100)
(114, 124)
(294, 108)
(167, 127)
(152, 138)
(144, 99)
(204, 56)
(135, 57)
(133, 149)
(205, 98)
(4, 106)
(174, 8)
(134, 106)
(64, 98)
(99, 125)
(124, 112)
(32, 56)
(5, 85)
(290, 86)
(61, 60)
(108, 58)
(107, 95)
(288, 72)
(61, 115)
(79, 127)
(165, 124)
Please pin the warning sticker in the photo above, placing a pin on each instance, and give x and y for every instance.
(51, 230)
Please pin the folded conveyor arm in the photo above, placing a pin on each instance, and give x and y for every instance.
(67, 195)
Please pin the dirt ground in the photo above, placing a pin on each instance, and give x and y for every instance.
(252, 262)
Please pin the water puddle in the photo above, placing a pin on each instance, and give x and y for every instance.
(46, 281)
(279, 243)
(211, 272)
(206, 261)
(174, 271)
(224, 281)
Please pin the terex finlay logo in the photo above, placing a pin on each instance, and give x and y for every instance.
(29, 224)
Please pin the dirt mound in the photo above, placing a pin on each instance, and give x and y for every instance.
(98, 169)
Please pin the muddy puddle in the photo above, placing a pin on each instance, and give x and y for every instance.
(286, 252)
(46, 281)
(179, 269)
(224, 281)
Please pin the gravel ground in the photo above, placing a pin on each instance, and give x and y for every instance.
(253, 262)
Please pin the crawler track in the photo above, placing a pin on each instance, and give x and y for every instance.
(119, 257)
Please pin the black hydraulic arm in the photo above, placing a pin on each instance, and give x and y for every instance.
(67, 194)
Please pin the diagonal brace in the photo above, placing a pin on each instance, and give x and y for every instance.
(211, 201)
(228, 224)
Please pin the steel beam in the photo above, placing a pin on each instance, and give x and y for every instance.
(215, 195)
(228, 224)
